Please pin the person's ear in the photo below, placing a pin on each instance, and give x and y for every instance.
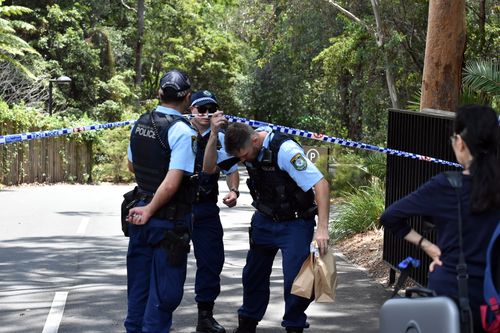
(255, 139)
(461, 145)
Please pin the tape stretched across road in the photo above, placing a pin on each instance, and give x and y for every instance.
(11, 138)
(254, 123)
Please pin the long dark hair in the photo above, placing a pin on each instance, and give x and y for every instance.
(479, 128)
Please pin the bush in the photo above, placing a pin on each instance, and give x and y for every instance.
(111, 156)
(111, 163)
(376, 164)
(360, 211)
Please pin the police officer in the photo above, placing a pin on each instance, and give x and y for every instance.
(288, 191)
(161, 155)
(207, 228)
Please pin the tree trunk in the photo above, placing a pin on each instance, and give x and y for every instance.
(482, 24)
(444, 52)
(139, 43)
(380, 42)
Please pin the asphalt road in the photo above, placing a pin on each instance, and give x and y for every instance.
(62, 268)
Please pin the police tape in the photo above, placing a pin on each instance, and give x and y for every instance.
(254, 123)
(339, 141)
(11, 138)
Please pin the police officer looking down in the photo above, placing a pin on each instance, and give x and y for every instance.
(207, 228)
(288, 191)
(161, 155)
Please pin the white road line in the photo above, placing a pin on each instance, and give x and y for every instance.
(83, 226)
(56, 312)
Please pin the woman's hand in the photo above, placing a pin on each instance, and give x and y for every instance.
(433, 251)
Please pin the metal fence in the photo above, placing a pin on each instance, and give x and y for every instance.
(425, 133)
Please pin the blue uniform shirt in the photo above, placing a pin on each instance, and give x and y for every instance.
(222, 155)
(180, 140)
(307, 175)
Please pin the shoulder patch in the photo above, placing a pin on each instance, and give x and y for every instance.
(194, 143)
(299, 162)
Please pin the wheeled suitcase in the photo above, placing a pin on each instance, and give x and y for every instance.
(419, 315)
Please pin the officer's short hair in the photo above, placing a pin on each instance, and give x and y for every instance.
(237, 137)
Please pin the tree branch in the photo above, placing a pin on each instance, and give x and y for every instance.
(350, 15)
(127, 6)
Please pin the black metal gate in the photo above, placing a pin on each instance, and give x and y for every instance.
(426, 133)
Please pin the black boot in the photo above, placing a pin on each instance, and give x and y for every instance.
(246, 325)
(294, 330)
(207, 323)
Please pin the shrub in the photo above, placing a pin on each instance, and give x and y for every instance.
(360, 211)
(350, 173)
(111, 156)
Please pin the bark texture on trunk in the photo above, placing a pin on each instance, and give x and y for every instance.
(444, 52)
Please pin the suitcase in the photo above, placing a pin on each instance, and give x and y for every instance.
(419, 315)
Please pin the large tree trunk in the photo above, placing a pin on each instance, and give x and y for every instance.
(443, 55)
(139, 43)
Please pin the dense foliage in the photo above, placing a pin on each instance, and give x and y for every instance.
(299, 63)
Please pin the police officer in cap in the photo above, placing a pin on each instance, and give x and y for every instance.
(207, 227)
(161, 154)
(288, 192)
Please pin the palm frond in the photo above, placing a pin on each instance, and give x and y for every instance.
(482, 76)
(414, 103)
(15, 45)
(20, 25)
(14, 10)
(17, 64)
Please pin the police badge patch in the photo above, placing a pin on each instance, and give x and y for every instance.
(299, 162)
(194, 143)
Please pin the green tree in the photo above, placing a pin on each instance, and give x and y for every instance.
(12, 47)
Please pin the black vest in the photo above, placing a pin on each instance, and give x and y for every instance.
(151, 159)
(208, 188)
(274, 192)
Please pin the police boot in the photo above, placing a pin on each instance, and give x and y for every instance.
(246, 325)
(294, 330)
(207, 323)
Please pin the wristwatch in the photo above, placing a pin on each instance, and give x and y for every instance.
(235, 191)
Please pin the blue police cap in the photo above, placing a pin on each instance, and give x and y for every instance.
(175, 84)
(203, 97)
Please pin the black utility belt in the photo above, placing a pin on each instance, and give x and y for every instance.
(286, 215)
(171, 211)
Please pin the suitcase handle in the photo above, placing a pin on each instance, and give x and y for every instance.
(425, 292)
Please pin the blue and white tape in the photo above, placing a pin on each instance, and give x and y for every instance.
(343, 142)
(254, 123)
(11, 138)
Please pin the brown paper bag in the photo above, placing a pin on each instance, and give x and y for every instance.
(325, 278)
(304, 281)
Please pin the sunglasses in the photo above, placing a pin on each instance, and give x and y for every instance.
(206, 108)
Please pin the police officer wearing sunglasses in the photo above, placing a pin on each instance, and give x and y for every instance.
(207, 228)
(161, 155)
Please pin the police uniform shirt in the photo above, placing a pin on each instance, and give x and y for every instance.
(180, 140)
(222, 155)
(291, 159)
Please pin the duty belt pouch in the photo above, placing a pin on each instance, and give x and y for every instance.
(176, 243)
(129, 200)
